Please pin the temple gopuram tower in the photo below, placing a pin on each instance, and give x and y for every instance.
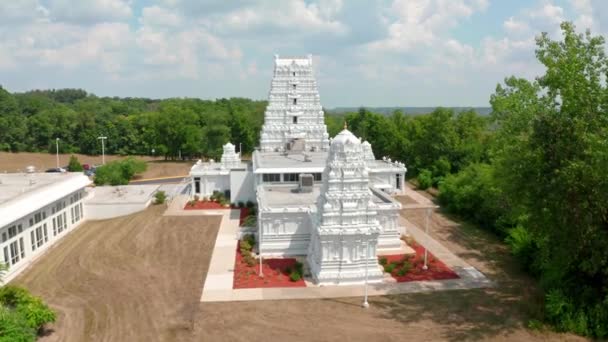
(294, 117)
(345, 229)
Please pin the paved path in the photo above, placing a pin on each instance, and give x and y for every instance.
(219, 281)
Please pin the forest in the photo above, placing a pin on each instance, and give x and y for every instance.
(533, 172)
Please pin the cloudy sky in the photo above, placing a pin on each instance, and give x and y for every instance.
(366, 52)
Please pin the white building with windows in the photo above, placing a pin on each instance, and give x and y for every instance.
(37, 209)
(329, 200)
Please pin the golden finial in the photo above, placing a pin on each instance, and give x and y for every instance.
(345, 125)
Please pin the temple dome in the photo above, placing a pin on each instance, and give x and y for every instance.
(345, 137)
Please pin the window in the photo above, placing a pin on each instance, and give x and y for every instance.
(39, 237)
(44, 215)
(318, 176)
(6, 259)
(295, 101)
(54, 226)
(65, 221)
(294, 86)
(37, 217)
(271, 177)
(46, 235)
(293, 73)
(291, 177)
(31, 222)
(19, 229)
(12, 231)
(295, 119)
(398, 181)
(33, 240)
(3, 236)
(15, 255)
(81, 214)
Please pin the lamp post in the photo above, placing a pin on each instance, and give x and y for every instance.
(103, 150)
(57, 151)
(365, 304)
(426, 231)
(259, 223)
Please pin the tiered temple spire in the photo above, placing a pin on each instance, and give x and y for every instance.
(294, 109)
(345, 229)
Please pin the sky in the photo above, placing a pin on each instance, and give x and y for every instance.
(365, 52)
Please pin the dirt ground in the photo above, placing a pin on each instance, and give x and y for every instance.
(139, 278)
(17, 162)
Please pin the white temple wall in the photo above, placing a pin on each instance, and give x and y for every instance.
(285, 233)
(390, 179)
(210, 183)
(390, 237)
(242, 187)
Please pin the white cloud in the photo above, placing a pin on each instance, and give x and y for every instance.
(90, 11)
(280, 17)
(159, 16)
(422, 22)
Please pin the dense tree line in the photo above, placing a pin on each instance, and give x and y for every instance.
(535, 172)
(188, 128)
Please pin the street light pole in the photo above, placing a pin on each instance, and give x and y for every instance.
(57, 151)
(103, 150)
(365, 304)
(426, 231)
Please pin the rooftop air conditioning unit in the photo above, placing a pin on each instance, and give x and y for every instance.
(306, 182)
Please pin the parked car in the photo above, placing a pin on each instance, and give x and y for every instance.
(56, 169)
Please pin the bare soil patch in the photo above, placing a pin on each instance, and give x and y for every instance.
(136, 278)
(139, 278)
(157, 167)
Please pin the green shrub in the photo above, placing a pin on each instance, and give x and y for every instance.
(241, 204)
(295, 276)
(250, 238)
(425, 179)
(245, 245)
(253, 211)
(250, 260)
(14, 327)
(524, 248)
(74, 165)
(299, 267)
(402, 271)
(249, 204)
(250, 221)
(119, 172)
(383, 261)
(405, 267)
(160, 197)
(32, 308)
(390, 267)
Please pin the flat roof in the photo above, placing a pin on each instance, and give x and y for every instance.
(282, 196)
(296, 162)
(24, 193)
(123, 194)
(214, 168)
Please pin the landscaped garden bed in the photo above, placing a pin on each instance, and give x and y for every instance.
(404, 268)
(285, 272)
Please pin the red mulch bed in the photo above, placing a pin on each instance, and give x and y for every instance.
(203, 205)
(437, 270)
(244, 213)
(247, 277)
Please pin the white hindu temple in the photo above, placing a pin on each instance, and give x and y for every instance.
(326, 199)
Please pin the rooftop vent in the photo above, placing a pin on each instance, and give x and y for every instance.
(306, 182)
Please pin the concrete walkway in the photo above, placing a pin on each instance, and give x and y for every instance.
(219, 281)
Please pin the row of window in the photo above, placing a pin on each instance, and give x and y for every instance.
(287, 177)
(15, 251)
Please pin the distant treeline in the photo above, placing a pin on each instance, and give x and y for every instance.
(409, 110)
(187, 128)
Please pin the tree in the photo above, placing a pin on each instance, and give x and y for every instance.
(551, 161)
(74, 165)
